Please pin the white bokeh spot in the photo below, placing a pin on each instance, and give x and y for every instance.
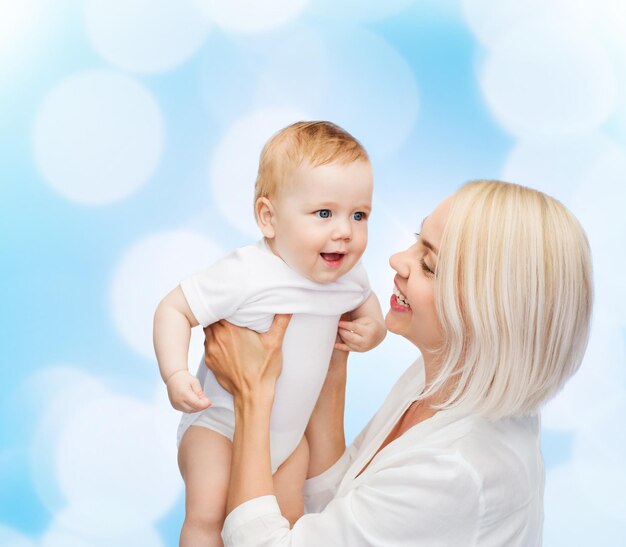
(68, 530)
(609, 22)
(235, 160)
(251, 15)
(559, 83)
(84, 457)
(18, 23)
(557, 168)
(599, 453)
(145, 36)
(12, 538)
(598, 202)
(146, 273)
(381, 112)
(341, 62)
(571, 518)
(283, 79)
(360, 10)
(491, 20)
(131, 480)
(98, 137)
(600, 195)
(260, 72)
(59, 391)
(598, 382)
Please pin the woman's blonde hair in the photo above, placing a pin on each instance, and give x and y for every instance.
(316, 142)
(514, 297)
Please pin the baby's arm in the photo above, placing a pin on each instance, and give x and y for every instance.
(173, 321)
(366, 328)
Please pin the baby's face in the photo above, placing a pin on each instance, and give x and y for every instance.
(320, 219)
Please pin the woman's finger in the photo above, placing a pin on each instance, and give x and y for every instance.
(208, 339)
(348, 334)
(279, 327)
(341, 346)
(351, 326)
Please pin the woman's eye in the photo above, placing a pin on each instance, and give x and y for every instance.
(323, 213)
(425, 267)
(359, 215)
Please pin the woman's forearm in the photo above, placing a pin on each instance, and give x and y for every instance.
(251, 469)
(325, 432)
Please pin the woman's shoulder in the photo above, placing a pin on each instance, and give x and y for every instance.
(505, 457)
(497, 465)
(500, 444)
(490, 447)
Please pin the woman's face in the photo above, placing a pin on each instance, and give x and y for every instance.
(413, 313)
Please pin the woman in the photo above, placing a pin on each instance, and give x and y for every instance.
(496, 293)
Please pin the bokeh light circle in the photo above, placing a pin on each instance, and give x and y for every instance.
(491, 20)
(380, 111)
(558, 83)
(360, 10)
(599, 453)
(12, 538)
(557, 168)
(599, 381)
(260, 72)
(98, 137)
(145, 35)
(352, 77)
(598, 202)
(19, 21)
(234, 164)
(59, 391)
(78, 526)
(116, 476)
(571, 518)
(146, 273)
(250, 15)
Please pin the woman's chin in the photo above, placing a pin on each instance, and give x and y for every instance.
(401, 328)
(392, 323)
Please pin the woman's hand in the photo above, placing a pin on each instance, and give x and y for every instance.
(248, 364)
(243, 360)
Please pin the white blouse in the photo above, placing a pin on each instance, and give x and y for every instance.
(451, 480)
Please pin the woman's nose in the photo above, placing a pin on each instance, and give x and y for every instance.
(398, 262)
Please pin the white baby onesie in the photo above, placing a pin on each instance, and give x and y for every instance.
(247, 287)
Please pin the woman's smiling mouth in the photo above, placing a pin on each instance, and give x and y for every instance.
(398, 300)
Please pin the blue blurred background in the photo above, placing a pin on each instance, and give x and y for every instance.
(129, 136)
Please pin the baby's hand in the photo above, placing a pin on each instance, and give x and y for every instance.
(362, 334)
(185, 392)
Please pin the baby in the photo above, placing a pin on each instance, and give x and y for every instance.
(313, 197)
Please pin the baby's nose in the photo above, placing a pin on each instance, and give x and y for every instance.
(343, 230)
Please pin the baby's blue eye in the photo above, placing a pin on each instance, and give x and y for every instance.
(323, 213)
(359, 215)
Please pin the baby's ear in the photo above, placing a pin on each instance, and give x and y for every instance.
(264, 216)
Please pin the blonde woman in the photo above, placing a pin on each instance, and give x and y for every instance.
(496, 294)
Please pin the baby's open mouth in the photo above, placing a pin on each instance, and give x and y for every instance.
(332, 257)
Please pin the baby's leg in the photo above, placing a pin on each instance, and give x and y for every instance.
(289, 482)
(204, 461)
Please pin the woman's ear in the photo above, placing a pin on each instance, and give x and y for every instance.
(265, 217)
